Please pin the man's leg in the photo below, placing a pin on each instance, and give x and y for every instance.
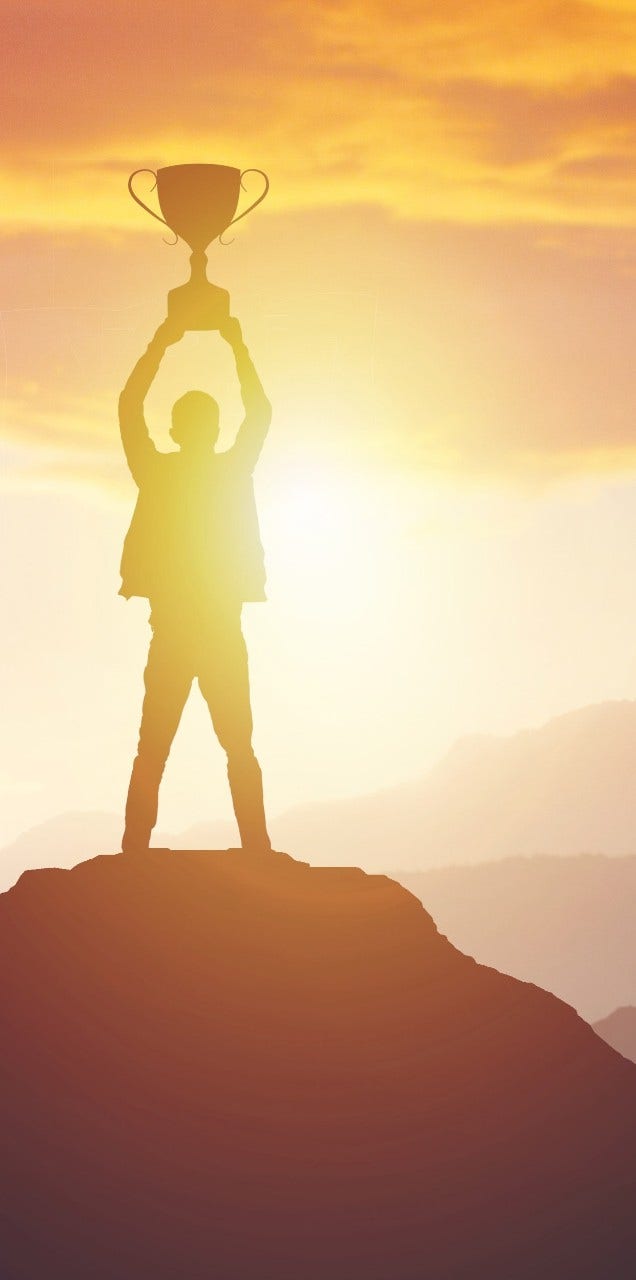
(167, 678)
(224, 683)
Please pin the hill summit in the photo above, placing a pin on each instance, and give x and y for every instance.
(221, 1065)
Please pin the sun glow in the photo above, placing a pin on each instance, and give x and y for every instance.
(327, 535)
(319, 515)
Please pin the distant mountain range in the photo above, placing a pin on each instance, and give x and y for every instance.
(563, 789)
(61, 841)
(619, 1030)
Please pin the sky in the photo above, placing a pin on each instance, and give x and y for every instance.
(438, 293)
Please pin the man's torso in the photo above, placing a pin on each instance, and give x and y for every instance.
(194, 532)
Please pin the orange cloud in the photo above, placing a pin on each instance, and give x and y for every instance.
(449, 109)
(405, 142)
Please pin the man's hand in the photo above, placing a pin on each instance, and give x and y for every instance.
(169, 332)
(230, 329)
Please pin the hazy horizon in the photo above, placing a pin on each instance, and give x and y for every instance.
(490, 796)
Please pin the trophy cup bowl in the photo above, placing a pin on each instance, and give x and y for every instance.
(198, 203)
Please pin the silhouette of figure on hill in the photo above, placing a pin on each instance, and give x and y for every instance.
(193, 549)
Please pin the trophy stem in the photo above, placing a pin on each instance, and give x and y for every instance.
(198, 264)
(199, 304)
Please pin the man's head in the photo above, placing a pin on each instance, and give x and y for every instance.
(195, 421)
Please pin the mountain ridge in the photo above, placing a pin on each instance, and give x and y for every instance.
(217, 1063)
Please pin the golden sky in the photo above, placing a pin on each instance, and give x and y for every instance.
(466, 168)
(439, 295)
(468, 111)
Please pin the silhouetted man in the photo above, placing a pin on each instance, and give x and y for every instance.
(193, 548)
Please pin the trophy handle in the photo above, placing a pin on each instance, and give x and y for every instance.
(145, 206)
(251, 206)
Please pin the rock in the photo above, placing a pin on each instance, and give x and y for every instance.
(221, 1065)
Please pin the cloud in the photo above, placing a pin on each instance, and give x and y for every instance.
(442, 273)
(449, 109)
(522, 42)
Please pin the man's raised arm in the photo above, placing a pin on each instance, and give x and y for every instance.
(138, 447)
(258, 410)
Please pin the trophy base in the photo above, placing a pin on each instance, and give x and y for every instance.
(199, 304)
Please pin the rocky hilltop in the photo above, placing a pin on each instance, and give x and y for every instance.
(565, 923)
(221, 1066)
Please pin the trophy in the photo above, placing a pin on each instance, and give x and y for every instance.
(198, 203)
